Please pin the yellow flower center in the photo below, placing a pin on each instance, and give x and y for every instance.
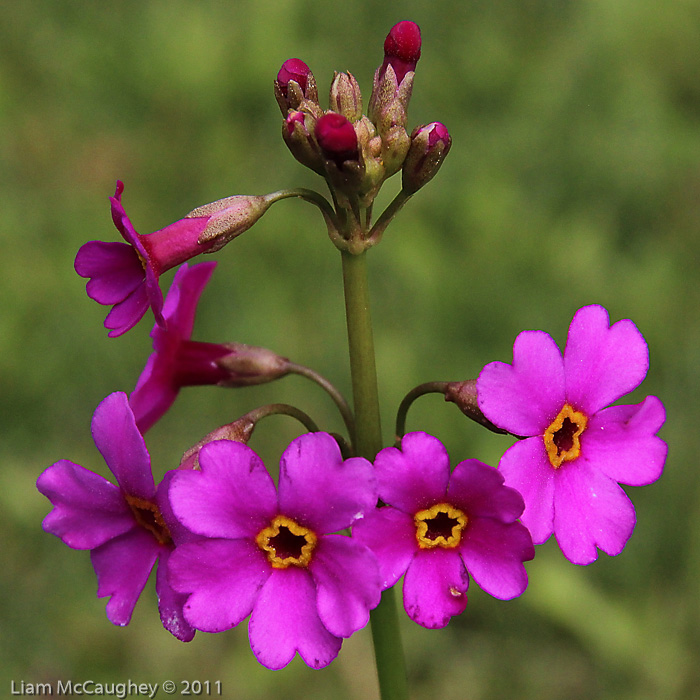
(148, 516)
(562, 438)
(286, 543)
(440, 525)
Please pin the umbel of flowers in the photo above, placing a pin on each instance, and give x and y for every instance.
(315, 558)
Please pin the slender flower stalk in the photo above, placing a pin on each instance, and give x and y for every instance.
(388, 650)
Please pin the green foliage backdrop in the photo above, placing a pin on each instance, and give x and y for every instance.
(574, 178)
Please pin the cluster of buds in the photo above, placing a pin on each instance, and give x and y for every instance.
(355, 152)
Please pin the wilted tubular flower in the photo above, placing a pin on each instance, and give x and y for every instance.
(273, 555)
(178, 361)
(438, 528)
(576, 450)
(125, 275)
(127, 527)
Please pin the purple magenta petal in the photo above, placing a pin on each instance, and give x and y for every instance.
(181, 302)
(170, 602)
(88, 510)
(154, 392)
(435, 587)
(223, 578)
(526, 468)
(525, 397)
(602, 363)
(415, 476)
(122, 446)
(346, 575)
(123, 566)
(590, 510)
(178, 532)
(126, 314)
(621, 442)
(494, 553)
(478, 490)
(391, 535)
(285, 620)
(114, 268)
(232, 496)
(319, 489)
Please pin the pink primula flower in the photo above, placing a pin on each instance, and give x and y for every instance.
(273, 555)
(127, 527)
(441, 527)
(575, 449)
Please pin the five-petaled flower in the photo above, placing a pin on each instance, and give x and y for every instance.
(127, 527)
(125, 275)
(272, 555)
(576, 450)
(438, 528)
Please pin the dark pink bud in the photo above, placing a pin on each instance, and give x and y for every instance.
(438, 133)
(293, 69)
(292, 119)
(337, 138)
(402, 48)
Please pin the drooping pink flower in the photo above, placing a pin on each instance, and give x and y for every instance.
(179, 361)
(272, 555)
(576, 450)
(127, 527)
(439, 528)
(125, 275)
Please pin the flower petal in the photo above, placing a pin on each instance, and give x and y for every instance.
(494, 553)
(621, 442)
(416, 476)
(126, 314)
(525, 397)
(170, 602)
(223, 578)
(122, 446)
(478, 490)
(319, 489)
(435, 587)
(285, 620)
(181, 301)
(346, 575)
(232, 496)
(123, 566)
(114, 268)
(590, 510)
(88, 510)
(391, 535)
(602, 363)
(526, 468)
(154, 392)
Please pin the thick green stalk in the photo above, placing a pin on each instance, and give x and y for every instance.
(388, 651)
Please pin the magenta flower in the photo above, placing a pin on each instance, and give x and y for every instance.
(438, 528)
(125, 275)
(272, 555)
(178, 361)
(127, 527)
(576, 450)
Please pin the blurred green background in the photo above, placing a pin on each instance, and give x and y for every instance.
(574, 178)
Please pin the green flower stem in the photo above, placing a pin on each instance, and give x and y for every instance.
(388, 651)
(421, 390)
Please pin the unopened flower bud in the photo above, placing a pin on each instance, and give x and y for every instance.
(230, 217)
(464, 395)
(345, 97)
(238, 431)
(337, 138)
(296, 134)
(402, 49)
(430, 144)
(295, 83)
(248, 364)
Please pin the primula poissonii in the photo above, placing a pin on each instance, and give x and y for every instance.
(438, 528)
(273, 555)
(127, 527)
(125, 275)
(576, 450)
(179, 361)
